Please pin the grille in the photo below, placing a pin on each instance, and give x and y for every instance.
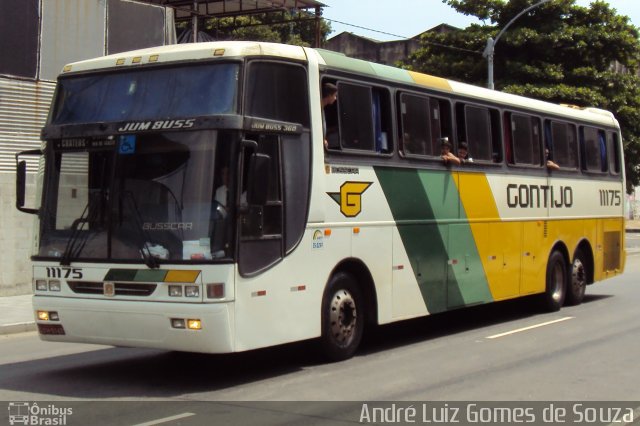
(121, 289)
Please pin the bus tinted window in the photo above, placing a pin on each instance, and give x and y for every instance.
(525, 137)
(479, 127)
(613, 152)
(594, 149)
(278, 91)
(356, 119)
(180, 91)
(424, 121)
(364, 118)
(563, 148)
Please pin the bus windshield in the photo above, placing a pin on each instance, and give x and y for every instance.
(177, 91)
(150, 197)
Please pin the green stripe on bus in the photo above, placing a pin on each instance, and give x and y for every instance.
(121, 275)
(427, 210)
(151, 275)
(339, 60)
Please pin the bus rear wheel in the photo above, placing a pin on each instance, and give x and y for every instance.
(578, 284)
(342, 317)
(556, 286)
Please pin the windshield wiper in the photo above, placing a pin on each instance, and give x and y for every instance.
(73, 250)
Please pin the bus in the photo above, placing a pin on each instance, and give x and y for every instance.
(187, 200)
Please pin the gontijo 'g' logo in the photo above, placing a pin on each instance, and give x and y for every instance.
(350, 197)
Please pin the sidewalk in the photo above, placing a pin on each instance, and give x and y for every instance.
(16, 315)
(633, 225)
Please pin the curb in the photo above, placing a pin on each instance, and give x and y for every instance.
(20, 327)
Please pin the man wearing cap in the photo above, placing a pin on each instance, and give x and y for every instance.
(446, 154)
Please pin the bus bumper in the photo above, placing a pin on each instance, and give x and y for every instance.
(135, 324)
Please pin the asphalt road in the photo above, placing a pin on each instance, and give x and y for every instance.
(502, 352)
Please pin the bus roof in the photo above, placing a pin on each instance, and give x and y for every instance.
(188, 52)
(334, 60)
(337, 60)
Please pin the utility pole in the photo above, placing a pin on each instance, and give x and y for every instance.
(491, 43)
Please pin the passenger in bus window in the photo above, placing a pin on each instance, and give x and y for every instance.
(412, 145)
(222, 192)
(446, 154)
(551, 165)
(329, 97)
(463, 153)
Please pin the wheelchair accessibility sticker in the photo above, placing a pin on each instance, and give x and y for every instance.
(127, 145)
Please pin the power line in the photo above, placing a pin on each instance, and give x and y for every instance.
(461, 49)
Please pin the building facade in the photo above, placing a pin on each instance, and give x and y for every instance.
(382, 52)
(37, 38)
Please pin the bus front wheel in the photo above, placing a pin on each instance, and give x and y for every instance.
(556, 286)
(342, 317)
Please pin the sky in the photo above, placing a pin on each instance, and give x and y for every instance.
(397, 19)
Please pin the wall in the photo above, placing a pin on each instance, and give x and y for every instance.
(37, 38)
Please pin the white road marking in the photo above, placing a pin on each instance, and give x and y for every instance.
(495, 336)
(166, 419)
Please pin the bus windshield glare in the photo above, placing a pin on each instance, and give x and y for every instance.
(149, 197)
(178, 91)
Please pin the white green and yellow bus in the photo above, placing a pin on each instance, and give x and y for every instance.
(187, 200)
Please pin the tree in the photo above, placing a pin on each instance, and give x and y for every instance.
(558, 52)
(278, 27)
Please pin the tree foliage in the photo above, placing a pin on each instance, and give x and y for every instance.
(558, 52)
(278, 27)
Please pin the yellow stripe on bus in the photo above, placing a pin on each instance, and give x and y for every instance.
(177, 276)
(484, 220)
(430, 81)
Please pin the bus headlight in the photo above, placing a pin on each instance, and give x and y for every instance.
(175, 291)
(41, 285)
(54, 285)
(192, 291)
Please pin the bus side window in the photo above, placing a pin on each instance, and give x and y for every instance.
(416, 131)
(593, 149)
(480, 128)
(562, 144)
(523, 132)
(613, 152)
(364, 115)
(424, 120)
(356, 116)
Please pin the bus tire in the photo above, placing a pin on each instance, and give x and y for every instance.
(556, 282)
(342, 317)
(578, 280)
